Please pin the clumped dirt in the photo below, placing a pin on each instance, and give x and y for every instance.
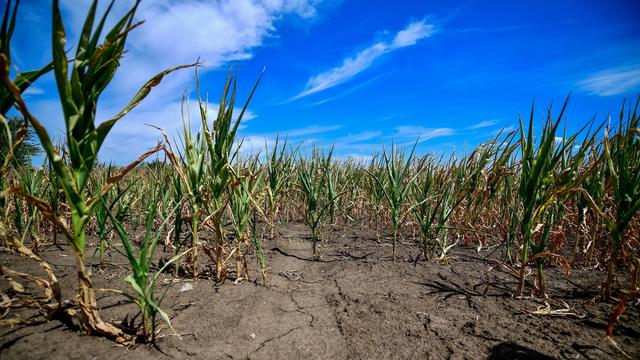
(354, 304)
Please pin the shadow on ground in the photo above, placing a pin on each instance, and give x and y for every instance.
(513, 351)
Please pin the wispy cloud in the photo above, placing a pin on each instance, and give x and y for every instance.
(363, 143)
(505, 130)
(483, 124)
(358, 146)
(253, 143)
(411, 34)
(493, 29)
(356, 64)
(352, 89)
(311, 130)
(614, 81)
(359, 137)
(33, 90)
(411, 133)
(294, 134)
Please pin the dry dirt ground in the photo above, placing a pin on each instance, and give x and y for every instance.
(354, 304)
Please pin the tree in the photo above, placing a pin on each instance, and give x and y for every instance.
(28, 148)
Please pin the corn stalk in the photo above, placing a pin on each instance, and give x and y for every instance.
(93, 68)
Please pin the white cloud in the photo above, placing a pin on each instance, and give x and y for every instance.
(352, 66)
(349, 68)
(614, 81)
(217, 32)
(131, 136)
(310, 130)
(412, 133)
(253, 144)
(483, 124)
(359, 137)
(364, 143)
(174, 33)
(410, 36)
(357, 146)
(352, 89)
(304, 8)
(503, 131)
(33, 90)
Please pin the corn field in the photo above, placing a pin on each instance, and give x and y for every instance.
(196, 207)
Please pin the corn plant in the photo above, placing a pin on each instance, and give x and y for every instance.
(423, 188)
(219, 139)
(510, 211)
(33, 184)
(54, 195)
(178, 198)
(189, 164)
(93, 68)
(114, 198)
(9, 94)
(161, 177)
(313, 178)
(457, 185)
(622, 154)
(258, 246)
(4, 166)
(501, 186)
(396, 182)
(541, 183)
(100, 213)
(348, 178)
(594, 186)
(434, 198)
(278, 172)
(143, 282)
(375, 191)
(244, 199)
(332, 191)
(474, 169)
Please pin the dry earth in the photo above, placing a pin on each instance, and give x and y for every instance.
(354, 304)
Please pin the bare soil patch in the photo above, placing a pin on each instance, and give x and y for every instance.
(354, 304)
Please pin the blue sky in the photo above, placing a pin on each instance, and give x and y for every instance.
(358, 73)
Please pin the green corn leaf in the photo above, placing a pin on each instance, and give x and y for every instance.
(106, 126)
(134, 285)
